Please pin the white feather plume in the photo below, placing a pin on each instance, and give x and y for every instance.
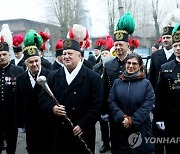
(172, 18)
(79, 32)
(7, 35)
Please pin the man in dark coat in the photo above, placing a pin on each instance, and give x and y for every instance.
(97, 51)
(104, 124)
(17, 48)
(157, 59)
(78, 91)
(29, 113)
(161, 56)
(58, 63)
(8, 75)
(167, 107)
(86, 63)
(45, 63)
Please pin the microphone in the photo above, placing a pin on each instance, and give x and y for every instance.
(41, 80)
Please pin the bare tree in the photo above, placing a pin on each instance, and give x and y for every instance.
(155, 12)
(111, 9)
(66, 13)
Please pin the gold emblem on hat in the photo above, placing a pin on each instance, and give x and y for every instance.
(176, 36)
(31, 51)
(103, 47)
(119, 36)
(165, 30)
(1, 46)
(67, 43)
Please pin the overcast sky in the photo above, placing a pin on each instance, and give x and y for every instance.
(35, 10)
(28, 9)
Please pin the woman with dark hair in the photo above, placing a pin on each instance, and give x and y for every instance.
(130, 102)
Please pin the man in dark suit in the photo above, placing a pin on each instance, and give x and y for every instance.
(161, 56)
(17, 48)
(97, 51)
(158, 58)
(29, 113)
(86, 63)
(8, 75)
(167, 109)
(79, 93)
(58, 63)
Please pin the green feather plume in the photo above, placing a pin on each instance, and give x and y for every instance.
(33, 38)
(176, 28)
(127, 23)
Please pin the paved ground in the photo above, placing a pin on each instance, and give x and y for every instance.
(21, 147)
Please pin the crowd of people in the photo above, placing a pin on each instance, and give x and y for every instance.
(111, 87)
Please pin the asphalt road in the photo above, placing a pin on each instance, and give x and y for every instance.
(21, 144)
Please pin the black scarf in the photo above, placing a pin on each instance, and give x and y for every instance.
(130, 77)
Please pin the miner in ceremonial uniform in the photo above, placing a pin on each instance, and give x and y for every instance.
(161, 56)
(29, 113)
(58, 63)
(79, 93)
(104, 124)
(167, 107)
(158, 58)
(17, 48)
(113, 68)
(8, 75)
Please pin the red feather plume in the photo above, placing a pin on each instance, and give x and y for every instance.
(45, 37)
(134, 42)
(17, 40)
(2, 39)
(99, 42)
(109, 42)
(59, 44)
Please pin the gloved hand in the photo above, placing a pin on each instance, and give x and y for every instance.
(160, 125)
(105, 117)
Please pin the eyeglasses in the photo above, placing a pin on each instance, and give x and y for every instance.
(133, 63)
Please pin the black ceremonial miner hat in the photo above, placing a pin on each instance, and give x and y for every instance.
(71, 44)
(4, 46)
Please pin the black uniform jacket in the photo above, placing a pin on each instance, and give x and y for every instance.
(112, 70)
(167, 107)
(8, 77)
(157, 59)
(46, 64)
(82, 100)
(56, 66)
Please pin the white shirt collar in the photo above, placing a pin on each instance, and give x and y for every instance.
(59, 63)
(33, 82)
(70, 76)
(177, 59)
(168, 53)
(18, 60)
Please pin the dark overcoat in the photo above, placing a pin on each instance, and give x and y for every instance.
(82, 100)
(30, 115)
